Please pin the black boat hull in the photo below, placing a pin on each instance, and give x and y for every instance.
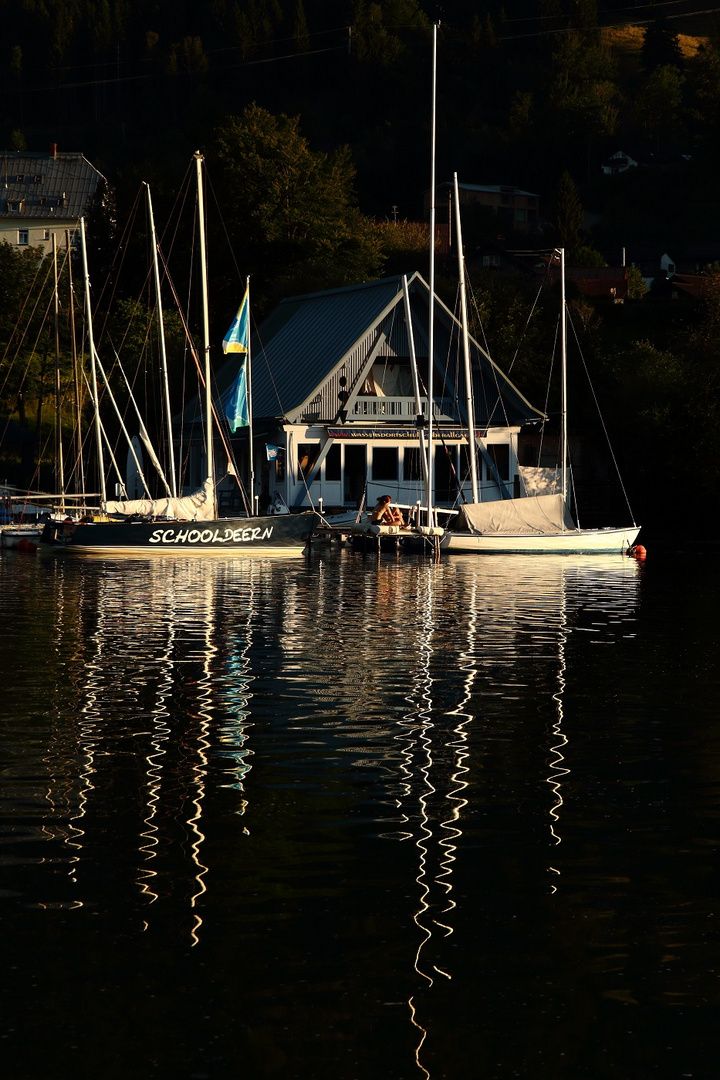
(281, 534)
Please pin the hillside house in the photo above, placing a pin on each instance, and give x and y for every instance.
(44, 194)
(516, 210)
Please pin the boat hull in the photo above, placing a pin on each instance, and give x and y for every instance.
(281, 534)
(17, 537)
(567, 542)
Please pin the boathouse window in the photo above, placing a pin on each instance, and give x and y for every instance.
(385, 463)
(412, 463)
(445, 483)
(333, 468)
(499, 454)
(307, 452)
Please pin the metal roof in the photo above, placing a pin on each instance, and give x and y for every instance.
(307, 338)
(54, 186)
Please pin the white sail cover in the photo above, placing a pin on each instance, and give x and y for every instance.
(536, 514)
(200, 506)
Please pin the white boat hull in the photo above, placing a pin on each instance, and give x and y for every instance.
(566, 542)
(17, 536)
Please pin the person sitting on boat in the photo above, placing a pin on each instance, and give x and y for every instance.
(385, 514)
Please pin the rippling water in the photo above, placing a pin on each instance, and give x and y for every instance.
(359, 818)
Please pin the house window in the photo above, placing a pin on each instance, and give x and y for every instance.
(46, 234)
(333, 469)
(23, 236)
(307, 452)
(499, 454)
(412, 464)
(20, 179)
(385, 463)
(13, 207)
(445, 473)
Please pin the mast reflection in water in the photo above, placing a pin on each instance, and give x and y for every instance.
(353, 816)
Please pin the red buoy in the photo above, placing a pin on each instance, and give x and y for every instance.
(637, 552)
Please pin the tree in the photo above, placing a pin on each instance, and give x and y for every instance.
(569, 216)
(661, 46)
(291, 207)
(659, 103)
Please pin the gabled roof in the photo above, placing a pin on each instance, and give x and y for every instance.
(55, 185)
(307, 336)
(307, 339)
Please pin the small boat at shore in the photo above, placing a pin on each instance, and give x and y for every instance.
(537, 523)
(20, 537)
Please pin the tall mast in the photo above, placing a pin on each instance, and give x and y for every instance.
(80, 466)
(206, 335)
(93, 368)
(431, 317)
(163, 354)
(466, 349)
(416, 380)
(248, 382)
(563, 391)
(58, 396)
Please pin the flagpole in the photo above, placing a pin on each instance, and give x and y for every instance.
(251, 458)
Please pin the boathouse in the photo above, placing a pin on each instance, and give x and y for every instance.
(335, 412)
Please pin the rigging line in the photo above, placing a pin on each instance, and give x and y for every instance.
(201, 377)
(112, 277)
(546, 277)
(602, 423)
(30, 317)
(193, 353)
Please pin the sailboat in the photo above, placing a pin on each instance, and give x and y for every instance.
(176, 525)
(535, 524)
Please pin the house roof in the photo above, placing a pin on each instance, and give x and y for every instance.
(306, 338)
(40, 186)
(493, 189)
(595, 280)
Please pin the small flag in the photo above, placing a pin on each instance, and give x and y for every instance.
(237, 340)
(272, 452)
(237, 337)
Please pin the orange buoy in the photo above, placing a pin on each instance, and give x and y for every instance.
(637, 551)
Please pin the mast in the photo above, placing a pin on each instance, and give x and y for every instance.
(563, 390)
(466, 349)
(80, 474)
(416, 380)
(248, 381)
(431, 317)
(163, 354)
(58, 396)
(93, 369)
(206, 335)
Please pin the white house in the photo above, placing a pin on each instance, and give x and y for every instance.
(42, 194)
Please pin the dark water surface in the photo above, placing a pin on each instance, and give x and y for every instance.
(347, 818)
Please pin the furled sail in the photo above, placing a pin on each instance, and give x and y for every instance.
(200, 506)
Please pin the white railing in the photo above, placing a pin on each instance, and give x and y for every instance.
(391, 408)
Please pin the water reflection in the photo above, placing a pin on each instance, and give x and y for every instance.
(261, 753)
(509, 611)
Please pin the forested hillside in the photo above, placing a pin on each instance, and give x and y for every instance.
(314, 116)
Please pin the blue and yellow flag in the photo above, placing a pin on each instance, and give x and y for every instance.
(237, 340)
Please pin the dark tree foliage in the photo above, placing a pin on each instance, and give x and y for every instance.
(314, 118)
(661, 46)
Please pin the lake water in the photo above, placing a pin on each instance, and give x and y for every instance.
(358, 817)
